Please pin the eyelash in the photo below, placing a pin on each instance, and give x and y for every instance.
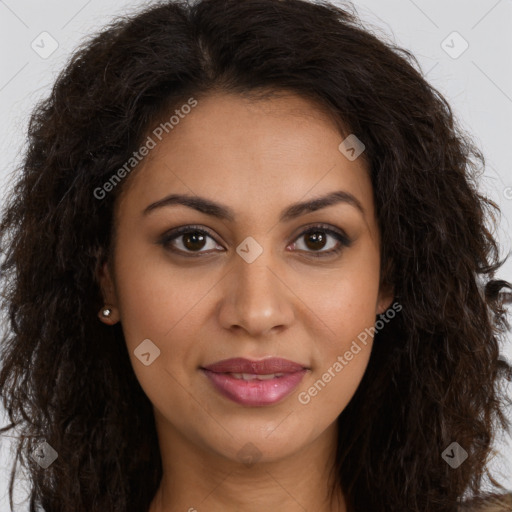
(343, 240)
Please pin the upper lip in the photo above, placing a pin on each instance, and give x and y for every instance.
(261, 367)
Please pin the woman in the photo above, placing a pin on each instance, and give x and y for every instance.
(247, 268)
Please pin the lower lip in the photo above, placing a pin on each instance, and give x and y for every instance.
(255, 392)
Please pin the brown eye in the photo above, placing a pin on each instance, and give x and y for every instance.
(317, 238)
(188, 240)
(191, 240)
(194, 241)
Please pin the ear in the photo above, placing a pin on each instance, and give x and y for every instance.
(385, 298)
(108, 292)
(386, 287)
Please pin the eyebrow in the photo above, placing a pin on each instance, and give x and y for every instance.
(222, 212)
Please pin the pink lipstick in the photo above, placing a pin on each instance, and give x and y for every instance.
(255, 383)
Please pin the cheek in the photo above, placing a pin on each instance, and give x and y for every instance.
(350, 306)
(349, 312)
(157, 300)
(342, 357)
(166, 306)
(344, 300)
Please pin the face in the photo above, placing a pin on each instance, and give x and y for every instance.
(249, 277)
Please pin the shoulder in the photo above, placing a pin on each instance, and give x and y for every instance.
(493, 503)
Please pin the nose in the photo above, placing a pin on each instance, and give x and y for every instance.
(256, 298)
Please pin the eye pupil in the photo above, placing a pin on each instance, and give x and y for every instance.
(194, 238)
(316, 237)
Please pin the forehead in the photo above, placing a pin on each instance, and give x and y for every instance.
(250, 153)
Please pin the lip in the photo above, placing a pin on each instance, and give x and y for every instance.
(260, 367)
(255, 393)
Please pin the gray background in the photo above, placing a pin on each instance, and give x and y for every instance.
(477, 83)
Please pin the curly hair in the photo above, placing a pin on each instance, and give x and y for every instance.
(435, 374)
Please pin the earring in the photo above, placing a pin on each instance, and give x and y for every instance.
(106, 312)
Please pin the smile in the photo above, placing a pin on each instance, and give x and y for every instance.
(255, 383)
(255, 390)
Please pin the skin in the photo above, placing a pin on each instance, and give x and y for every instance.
(256, 157)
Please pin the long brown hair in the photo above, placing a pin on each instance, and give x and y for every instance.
(435, 374)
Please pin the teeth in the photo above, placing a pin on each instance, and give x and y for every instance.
(252, 376)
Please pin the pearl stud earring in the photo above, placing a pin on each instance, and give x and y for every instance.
(106, 312)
